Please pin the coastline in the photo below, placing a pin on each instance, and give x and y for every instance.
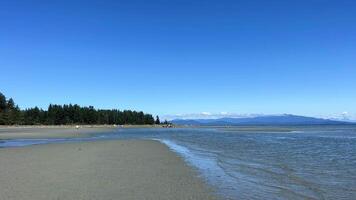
(60, 131)
(125, 169)
(42, 132)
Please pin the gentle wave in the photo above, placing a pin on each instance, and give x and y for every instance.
(208, 167)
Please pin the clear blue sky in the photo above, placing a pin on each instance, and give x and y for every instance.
(174, 57)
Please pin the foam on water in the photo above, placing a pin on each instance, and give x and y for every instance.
(208, 166)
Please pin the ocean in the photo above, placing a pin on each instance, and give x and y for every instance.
(257, 162)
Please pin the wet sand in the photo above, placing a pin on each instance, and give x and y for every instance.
(122, 169)
(37, 132)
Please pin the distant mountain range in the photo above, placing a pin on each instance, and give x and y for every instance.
(285, 119)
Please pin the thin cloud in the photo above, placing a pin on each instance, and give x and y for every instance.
(208, 115)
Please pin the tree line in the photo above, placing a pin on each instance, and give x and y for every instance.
(67, 114)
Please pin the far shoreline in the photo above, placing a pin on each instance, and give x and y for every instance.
(87, 126)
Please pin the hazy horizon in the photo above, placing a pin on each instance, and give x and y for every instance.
(206, 115)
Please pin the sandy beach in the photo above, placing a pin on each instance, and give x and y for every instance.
(122, 169)
(65, 131)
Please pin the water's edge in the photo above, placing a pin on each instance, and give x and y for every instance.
(207, 167)
(304, 163)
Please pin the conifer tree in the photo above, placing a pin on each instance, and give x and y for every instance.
(11, 114)
(157, 120)
(3, 106)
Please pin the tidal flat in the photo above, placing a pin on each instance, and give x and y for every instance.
(115, 169)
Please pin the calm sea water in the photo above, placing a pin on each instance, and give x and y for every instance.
(262, 162)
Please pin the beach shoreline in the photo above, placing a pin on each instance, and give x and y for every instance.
(124, 169)
(49, 132)
(60, 131)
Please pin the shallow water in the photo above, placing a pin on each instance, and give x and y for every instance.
(303, 162)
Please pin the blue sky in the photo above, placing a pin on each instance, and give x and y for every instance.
(182, 57)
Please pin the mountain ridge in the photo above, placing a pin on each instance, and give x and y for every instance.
(286, 119)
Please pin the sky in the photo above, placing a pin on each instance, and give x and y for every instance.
(174, 58)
